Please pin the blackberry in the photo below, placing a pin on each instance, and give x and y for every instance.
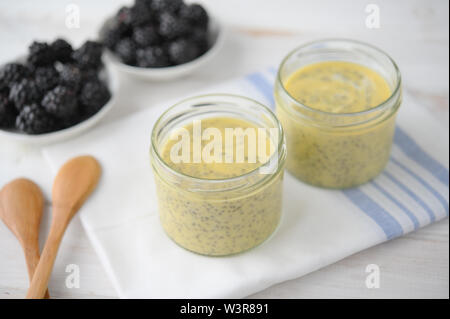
(171, 6)
(123, 16)
(172, 27)
(89, 55)
(195, 14)
(31, 68)
(60, 102)
(4, 88)
(140, 15)
(40, 53)
(126, 50)
(146, 3)
(201, 39)
(11, 73)
(146, 36)
(35, 120)
(71, 76)
(89, 75)
(152, 57)
(71, 121)
(62, 50)
(46, 78)
(93, 97)
(115, 31)
(182, 51)
(24, 92)
(7, 112)
(111, 36)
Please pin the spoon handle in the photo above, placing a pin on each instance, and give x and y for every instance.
(44, 268)
(32, 259)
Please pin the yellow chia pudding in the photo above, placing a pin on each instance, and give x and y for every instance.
(215, 208)
(338, 132)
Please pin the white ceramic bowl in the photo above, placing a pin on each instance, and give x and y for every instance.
(58, 136)
(216, 38)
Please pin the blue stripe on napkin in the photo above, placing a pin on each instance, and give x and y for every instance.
(257, 79)
(417, 154)
(387, 223)
(424, 183)
(412, 195)
(389, 195)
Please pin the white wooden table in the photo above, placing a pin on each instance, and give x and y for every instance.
(260, 33)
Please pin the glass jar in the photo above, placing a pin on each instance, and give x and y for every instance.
(337, 150)
(217, 217)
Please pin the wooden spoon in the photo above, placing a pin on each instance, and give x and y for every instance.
(21, 207)
(73, 184)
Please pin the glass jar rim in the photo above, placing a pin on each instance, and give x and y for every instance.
(280, 148)
(343, 115)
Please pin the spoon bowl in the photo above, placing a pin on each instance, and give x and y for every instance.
(21, 207)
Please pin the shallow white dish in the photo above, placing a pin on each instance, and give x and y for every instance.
(216, 38)
(58, 136)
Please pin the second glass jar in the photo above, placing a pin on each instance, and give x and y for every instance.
(337, 150)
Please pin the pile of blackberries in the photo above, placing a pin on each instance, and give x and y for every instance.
(158, 33)
(55, 88)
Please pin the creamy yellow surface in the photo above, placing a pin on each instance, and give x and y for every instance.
(338, 87)
(320, 152)
(220, 223)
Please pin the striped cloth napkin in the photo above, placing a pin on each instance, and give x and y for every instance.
(318, 227)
